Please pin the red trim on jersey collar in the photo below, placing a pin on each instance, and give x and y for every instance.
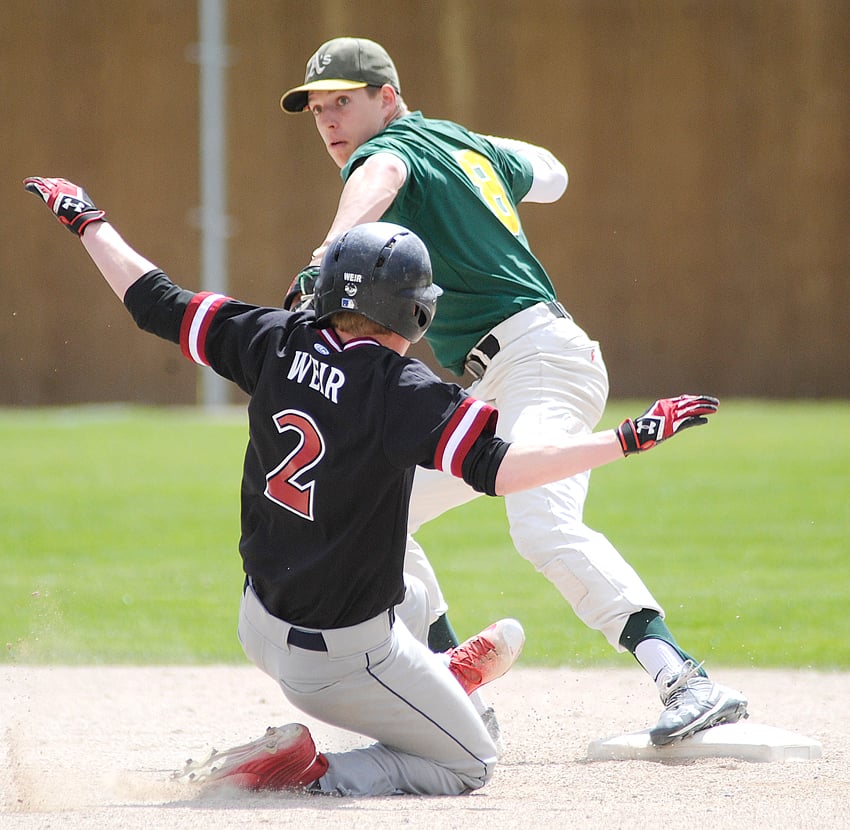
(360, 341)
(329, 336)
(332, 339)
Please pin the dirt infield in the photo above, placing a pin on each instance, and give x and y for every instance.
(94, 748)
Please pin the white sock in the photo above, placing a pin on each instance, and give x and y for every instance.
(657, 657)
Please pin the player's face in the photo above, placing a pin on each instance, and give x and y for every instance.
(346, 119)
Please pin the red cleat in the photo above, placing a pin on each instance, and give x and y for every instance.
(487, 655)
(285, 758)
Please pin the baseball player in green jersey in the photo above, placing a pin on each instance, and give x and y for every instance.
(500, 321)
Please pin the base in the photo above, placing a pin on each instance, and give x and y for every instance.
(744, 741)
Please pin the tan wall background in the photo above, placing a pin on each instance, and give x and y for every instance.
(703, 239)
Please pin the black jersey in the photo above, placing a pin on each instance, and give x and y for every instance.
(336, 431)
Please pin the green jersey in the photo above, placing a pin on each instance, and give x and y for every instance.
(460, 198)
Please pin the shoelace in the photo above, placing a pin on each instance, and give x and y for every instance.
(688, 671)
(466, 659)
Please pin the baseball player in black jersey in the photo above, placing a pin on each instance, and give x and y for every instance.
(338, 420)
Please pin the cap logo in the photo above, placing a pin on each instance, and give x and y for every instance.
(318, 64)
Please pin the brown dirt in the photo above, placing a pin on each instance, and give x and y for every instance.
(94, 748)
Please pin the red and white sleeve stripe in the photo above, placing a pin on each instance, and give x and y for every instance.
(465, 426)
(197, 318)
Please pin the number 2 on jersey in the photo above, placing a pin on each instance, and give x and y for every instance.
(285, 485)
(489, 186)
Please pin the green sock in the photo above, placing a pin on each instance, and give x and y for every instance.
(648, 623)
(441, 635)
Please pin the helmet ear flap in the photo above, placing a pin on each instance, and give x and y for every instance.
(423, 316)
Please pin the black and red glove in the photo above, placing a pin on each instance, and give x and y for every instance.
(663, 420)
(71, 204)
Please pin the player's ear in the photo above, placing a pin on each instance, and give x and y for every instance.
(389, 97)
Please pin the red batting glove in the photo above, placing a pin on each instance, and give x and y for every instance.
(663, 420)
(71, 204)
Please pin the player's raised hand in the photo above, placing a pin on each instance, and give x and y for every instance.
(664, 419)
(71, 204)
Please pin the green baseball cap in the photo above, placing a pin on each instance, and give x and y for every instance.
(343, 63)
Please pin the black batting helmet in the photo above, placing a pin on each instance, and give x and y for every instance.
(383, 272)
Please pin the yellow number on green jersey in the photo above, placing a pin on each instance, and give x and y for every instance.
(489, 186)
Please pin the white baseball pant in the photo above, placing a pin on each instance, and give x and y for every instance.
(547, 379)
(377, 680)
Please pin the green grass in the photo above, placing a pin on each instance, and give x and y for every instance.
(119, 530)
(119, 526)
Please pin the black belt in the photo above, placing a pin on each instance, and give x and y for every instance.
(487, 347)
(309, 640)
(314, 641)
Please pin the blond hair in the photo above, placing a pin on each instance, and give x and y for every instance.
(353, 322)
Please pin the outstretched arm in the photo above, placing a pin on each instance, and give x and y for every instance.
(527, 466)
(200, 322)
(120, 265)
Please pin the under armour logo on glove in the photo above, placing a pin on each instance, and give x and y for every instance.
(71, 204)
(649, 427)
(664, 419)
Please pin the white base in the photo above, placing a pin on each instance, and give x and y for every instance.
(742, 740)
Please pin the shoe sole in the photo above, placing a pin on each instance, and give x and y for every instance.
(725, 711)
(226, 768)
